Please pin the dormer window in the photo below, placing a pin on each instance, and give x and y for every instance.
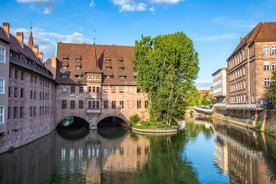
(107, 60)
(120, 60)
(78, 67)
(64, 67)
(122, 77)
(64, 76)
(121, 68)
(78, 59)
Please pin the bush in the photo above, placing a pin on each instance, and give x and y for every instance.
(134, 118)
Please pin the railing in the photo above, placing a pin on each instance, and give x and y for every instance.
(239, 106)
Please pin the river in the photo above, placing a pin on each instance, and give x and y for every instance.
(203, 153)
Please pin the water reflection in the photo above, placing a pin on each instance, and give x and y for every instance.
(241, 154)
(203, 153)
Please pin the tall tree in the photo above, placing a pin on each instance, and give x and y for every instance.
(167, 66)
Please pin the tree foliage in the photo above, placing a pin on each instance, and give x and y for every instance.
(272, 93)
(167, 66)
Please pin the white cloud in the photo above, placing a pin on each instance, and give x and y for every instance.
(47, 41)
(47, 5)
(92, 3)
(129, 5)
(141, 5)
(165, 1)
(48, 10)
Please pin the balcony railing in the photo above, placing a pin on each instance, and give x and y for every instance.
(239, 106)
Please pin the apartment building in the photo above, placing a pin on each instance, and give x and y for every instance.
(219, 85)
(27, 91)
(250, 66)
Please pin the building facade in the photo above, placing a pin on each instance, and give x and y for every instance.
(27, 91)
(219, 85)
(250, 66)
(95, 82)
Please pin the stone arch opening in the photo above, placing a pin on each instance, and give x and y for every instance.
(73, 128)
(112, 121)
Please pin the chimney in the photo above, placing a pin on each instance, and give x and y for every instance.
(20, 38)
(40, 56)
(35, 49)
(6, 27)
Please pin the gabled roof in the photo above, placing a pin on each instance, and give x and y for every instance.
(114, 62)
(263, 32)
(25, 51)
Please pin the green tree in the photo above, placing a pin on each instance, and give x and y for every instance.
(193, 96)
(207, 100)
(167, 66)
(272, 93)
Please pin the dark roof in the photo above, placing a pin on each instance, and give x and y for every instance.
(263, 32)
(114, 62)
(30, 60)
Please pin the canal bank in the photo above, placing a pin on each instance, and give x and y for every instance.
(258, 119)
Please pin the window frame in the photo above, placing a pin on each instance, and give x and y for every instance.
(2, 85)
(2, 114)
(2, 54)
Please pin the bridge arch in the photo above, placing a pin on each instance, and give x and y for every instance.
(76, 120)
(112, 121)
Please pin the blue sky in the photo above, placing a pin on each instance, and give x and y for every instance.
(215, 26)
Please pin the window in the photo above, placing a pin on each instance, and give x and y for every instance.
(89, 89)
(15, 74)
(64, 89)
(266, 65)
(138, 104)
(121, 89)
(15, 92)
(97, 105)
(22, 93)
(72, 104)
(2, 114)
(2, 86)
(15, 112)
(98, 89)
(63, 104)
(273, 65)
(73, 89)
(113, 89)
(273, 49)
(267, 81)
(106, 104)
(113, 104)
(81, 89)
(121, 104)
(21, 112)
(266, 50)
(81, 104)
(2, 54)
(146, 104)
(22, 75)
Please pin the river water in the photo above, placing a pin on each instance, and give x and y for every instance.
(202, 153)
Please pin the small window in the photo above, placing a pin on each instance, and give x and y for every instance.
(121, 104)
(81, 89)
(113, 104)
(2, 86)
(2, 114)
(266, 65)
(73, 89)
(273, 65)
(266, 50)
(273, 49)
(2, 54)
(266, 81)
(63, 104)
(106, 104)
(72, 104)
(138, 104)
(64, 88)
(81, 104)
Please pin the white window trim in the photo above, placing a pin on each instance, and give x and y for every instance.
(3, 92)
(2, 55)
(2, 114)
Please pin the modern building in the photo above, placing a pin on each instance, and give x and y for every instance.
(219, 85)
(27, 91)
(250, 66)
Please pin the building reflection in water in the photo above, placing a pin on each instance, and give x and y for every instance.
(96, 158)
(237, 153)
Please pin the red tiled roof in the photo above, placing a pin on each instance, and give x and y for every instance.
(25, 51)
(109, 60)
(263, 32)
